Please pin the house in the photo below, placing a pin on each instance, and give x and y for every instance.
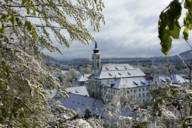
(82, 79)
(112, 80)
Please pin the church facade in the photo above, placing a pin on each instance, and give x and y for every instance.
(109, 81)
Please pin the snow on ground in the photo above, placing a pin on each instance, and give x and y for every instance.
(80, 103)
(80, 123)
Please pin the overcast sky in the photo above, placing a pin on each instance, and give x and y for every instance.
(130, 31)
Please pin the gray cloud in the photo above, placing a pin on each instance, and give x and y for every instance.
(130, 31)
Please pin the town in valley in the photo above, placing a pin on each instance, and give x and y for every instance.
(118, 91)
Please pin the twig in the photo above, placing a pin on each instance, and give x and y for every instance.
(39, 26)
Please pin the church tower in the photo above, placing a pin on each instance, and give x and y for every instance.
(96, 60)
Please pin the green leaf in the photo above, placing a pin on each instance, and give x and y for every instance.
(31, 29)
(175, 31)
(166, 43)
(188, 4)
(1, 28)
(169, 25)
(13, 20)
(188, 20)
(34, 34)
(186, 33)
(174, 9)
(18, 21)
(28, 25)
(166, 47)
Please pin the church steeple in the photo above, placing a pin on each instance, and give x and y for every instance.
(96, 59)
(95, 45)
(96, 50)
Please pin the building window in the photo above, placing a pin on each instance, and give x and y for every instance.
(110, 97)
(112, 85)
(98, 64)
(110, 74)
(139, 95)
(134, 91)
(143, 94)
(139, 89)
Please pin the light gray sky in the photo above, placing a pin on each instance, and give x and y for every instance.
(130, 31)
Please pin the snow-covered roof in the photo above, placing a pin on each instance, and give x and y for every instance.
(129, 82)
(164, 78)
(83, 78)
(175, 78)
(178, 79)
(119, 71)
(114, 67)
(80, 90)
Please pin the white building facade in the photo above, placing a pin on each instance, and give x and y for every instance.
(117, 80)
(120, 80)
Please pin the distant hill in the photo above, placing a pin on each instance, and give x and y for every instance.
(49, 60)
(186, 56)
